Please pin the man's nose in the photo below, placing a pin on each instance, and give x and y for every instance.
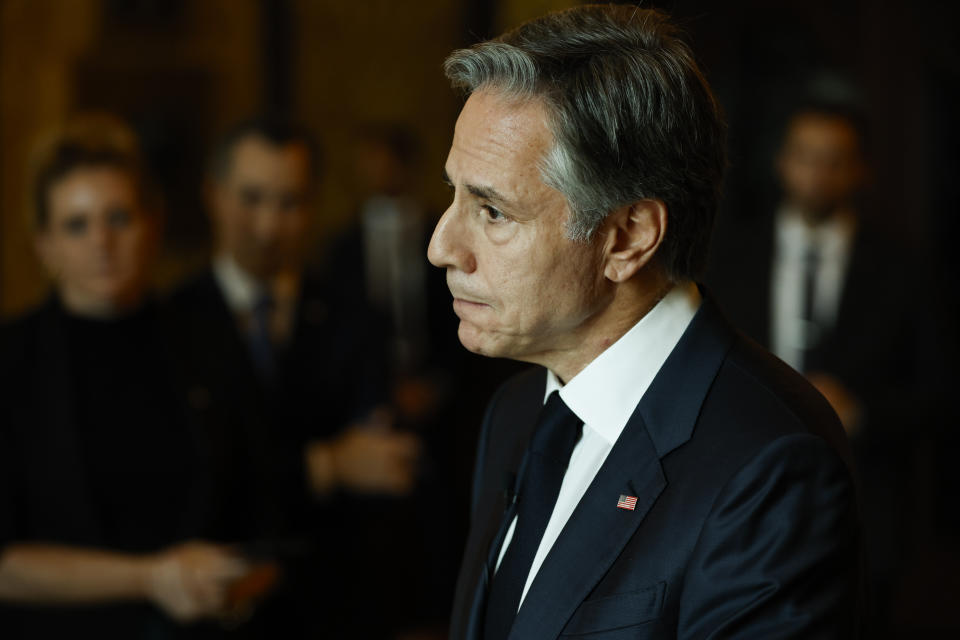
(449, 246)
(103, 236)
(266, 222)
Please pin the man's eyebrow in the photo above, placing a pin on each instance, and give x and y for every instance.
(486, 193)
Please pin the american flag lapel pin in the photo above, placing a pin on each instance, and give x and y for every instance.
(627, 502)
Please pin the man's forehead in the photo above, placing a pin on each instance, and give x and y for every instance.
(497, 113)
(496, 129)
(256, 157)
(817, 126)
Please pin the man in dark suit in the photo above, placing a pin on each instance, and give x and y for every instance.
(657, 475)
(286, 369)
(818, 280)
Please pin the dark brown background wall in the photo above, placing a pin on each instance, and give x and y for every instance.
(184, 69)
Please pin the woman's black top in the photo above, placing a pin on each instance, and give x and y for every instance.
(135, 443)
(96, 451)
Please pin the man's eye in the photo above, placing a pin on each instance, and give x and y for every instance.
(75, 225)
(492, 214)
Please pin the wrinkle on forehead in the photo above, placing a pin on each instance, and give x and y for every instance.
(508, 136)
(508, 118)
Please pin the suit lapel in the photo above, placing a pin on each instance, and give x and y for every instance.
(597, 531)
(473, 580)
(594, 536)
(222, 351)
(508, 441)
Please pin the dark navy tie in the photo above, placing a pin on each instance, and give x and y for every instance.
(259, 339)
(812, 328)
(554, 437)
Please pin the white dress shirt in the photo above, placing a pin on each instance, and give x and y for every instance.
(604, 395)
(789, 333)
(396, 271)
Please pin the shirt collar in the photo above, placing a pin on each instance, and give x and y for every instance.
(240, 289)
(605, 394)
(832, 236)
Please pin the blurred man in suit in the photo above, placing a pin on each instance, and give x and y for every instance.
(656, 475)
(818, 280)
(287, 369)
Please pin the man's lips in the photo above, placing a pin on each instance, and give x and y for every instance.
(465, 304)
(462, 296)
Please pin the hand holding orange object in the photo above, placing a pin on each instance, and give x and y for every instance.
(245, 593)
(190, 581)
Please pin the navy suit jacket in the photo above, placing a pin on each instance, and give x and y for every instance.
(745, 524)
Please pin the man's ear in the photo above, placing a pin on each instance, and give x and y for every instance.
(633, 235)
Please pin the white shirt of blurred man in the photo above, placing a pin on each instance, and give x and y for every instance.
(821, 169)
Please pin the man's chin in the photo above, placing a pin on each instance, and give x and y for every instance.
(816, 211)
(487, 343)
(476, 341)
(261, 268)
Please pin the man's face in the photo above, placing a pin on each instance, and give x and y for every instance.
(820, 165)
(521, 288)
(260, 207)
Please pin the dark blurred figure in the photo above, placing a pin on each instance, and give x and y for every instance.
(103, 479)
(289, 370)
(438, 388)
(818, 280)
(383, 255)
(391, 227)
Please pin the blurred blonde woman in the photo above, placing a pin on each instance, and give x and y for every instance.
(101, 475)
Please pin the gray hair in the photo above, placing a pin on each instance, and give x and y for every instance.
(631, 115)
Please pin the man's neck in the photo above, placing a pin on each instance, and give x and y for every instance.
(816, 218)
(630, 303)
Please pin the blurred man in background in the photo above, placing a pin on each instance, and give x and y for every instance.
(391, 232)
(287, 369)
(819, 282)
